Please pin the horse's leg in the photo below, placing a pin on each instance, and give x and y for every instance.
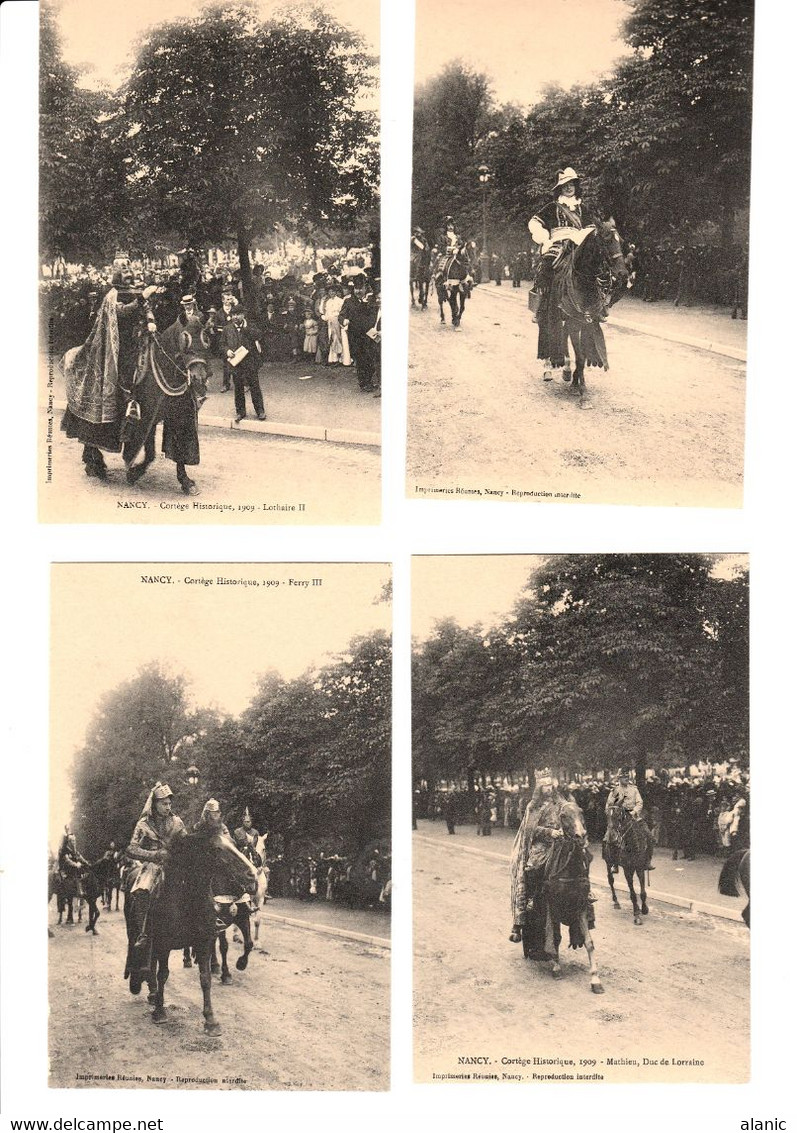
(187, 962)
(203, 963)
(610, 876)
(643, 897)
(186, 483)
(594, 978)
(215, 967)
(136, 471)
(629, 877)
(224, 948)
(556, 968)
(423, 294)
(412, 292)
(162, 967)
(246, 932)
(70, 914)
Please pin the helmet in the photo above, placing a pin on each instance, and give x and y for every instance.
(162, 791)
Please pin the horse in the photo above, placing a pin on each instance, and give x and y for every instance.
(113, 882)
(182, 914)
(735, 869)
(631, 853)
(452, 280)
(66, 888)
(94, 880)
(563, 899)
(420, 275)
(169, 386)
(587, 280)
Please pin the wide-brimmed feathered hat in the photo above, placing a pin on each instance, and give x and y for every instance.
(563, 176)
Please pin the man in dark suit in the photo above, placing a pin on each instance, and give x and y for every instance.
(239, 333)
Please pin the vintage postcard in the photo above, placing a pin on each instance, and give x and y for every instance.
(209, 262)
(219, 834)
(580, 213)
(581, 818)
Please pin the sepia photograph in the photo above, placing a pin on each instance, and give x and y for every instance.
(209, 262)
(589, 715)
(219, 830)
(580, 215)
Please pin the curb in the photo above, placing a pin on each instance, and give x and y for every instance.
(707, 344)
(687, 904)
(329, 930)
(281, 429)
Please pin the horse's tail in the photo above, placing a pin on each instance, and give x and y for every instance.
(728, 884)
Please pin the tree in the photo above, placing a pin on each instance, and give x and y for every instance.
(452, 117)
(81, 179)
(142, 731)
(682, 112)
(311, 756)
(234, 125)
(606, 659)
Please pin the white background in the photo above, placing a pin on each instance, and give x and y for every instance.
(764, 528)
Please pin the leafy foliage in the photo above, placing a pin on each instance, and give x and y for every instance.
(662, 143)
(227, 126)
(310, 757)
(606, 659)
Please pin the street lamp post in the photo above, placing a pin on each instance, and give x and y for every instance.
(485, 175)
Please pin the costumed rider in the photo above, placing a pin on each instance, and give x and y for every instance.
(246, 838)
(555, 227)
(235, 881)
(70, 860)
(539, 830)
(99, 375)
(155, 832)
(418, 241)
(625, 796)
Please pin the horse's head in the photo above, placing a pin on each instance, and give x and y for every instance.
(611, 250)
(572, 820)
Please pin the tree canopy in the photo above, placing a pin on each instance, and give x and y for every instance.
(668, 130)
(605, 660)
(310, 757)
(226, 126)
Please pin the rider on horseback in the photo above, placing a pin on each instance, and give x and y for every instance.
(155, 831)
(555, 228)
(625, 796)
(70, 860)
(246, 838)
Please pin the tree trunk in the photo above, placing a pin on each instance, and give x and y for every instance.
(244, 241)
(640, 767)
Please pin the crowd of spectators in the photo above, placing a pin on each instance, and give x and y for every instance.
(704, 808)
(362, 880)
(330, 318)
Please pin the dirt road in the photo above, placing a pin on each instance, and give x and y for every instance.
(676, 988)
(311, 1012)
(666, 427)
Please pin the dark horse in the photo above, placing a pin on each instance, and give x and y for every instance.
(183, 915)
(631, 853)
(562, 898)
(66, 888)
(126, 378)
(230, 913)
(169, 386)
(587, 280)
(736, 869)
(420, 275)
(95, 879)
(452, 280)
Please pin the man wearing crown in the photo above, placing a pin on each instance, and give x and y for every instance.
(552, 227)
